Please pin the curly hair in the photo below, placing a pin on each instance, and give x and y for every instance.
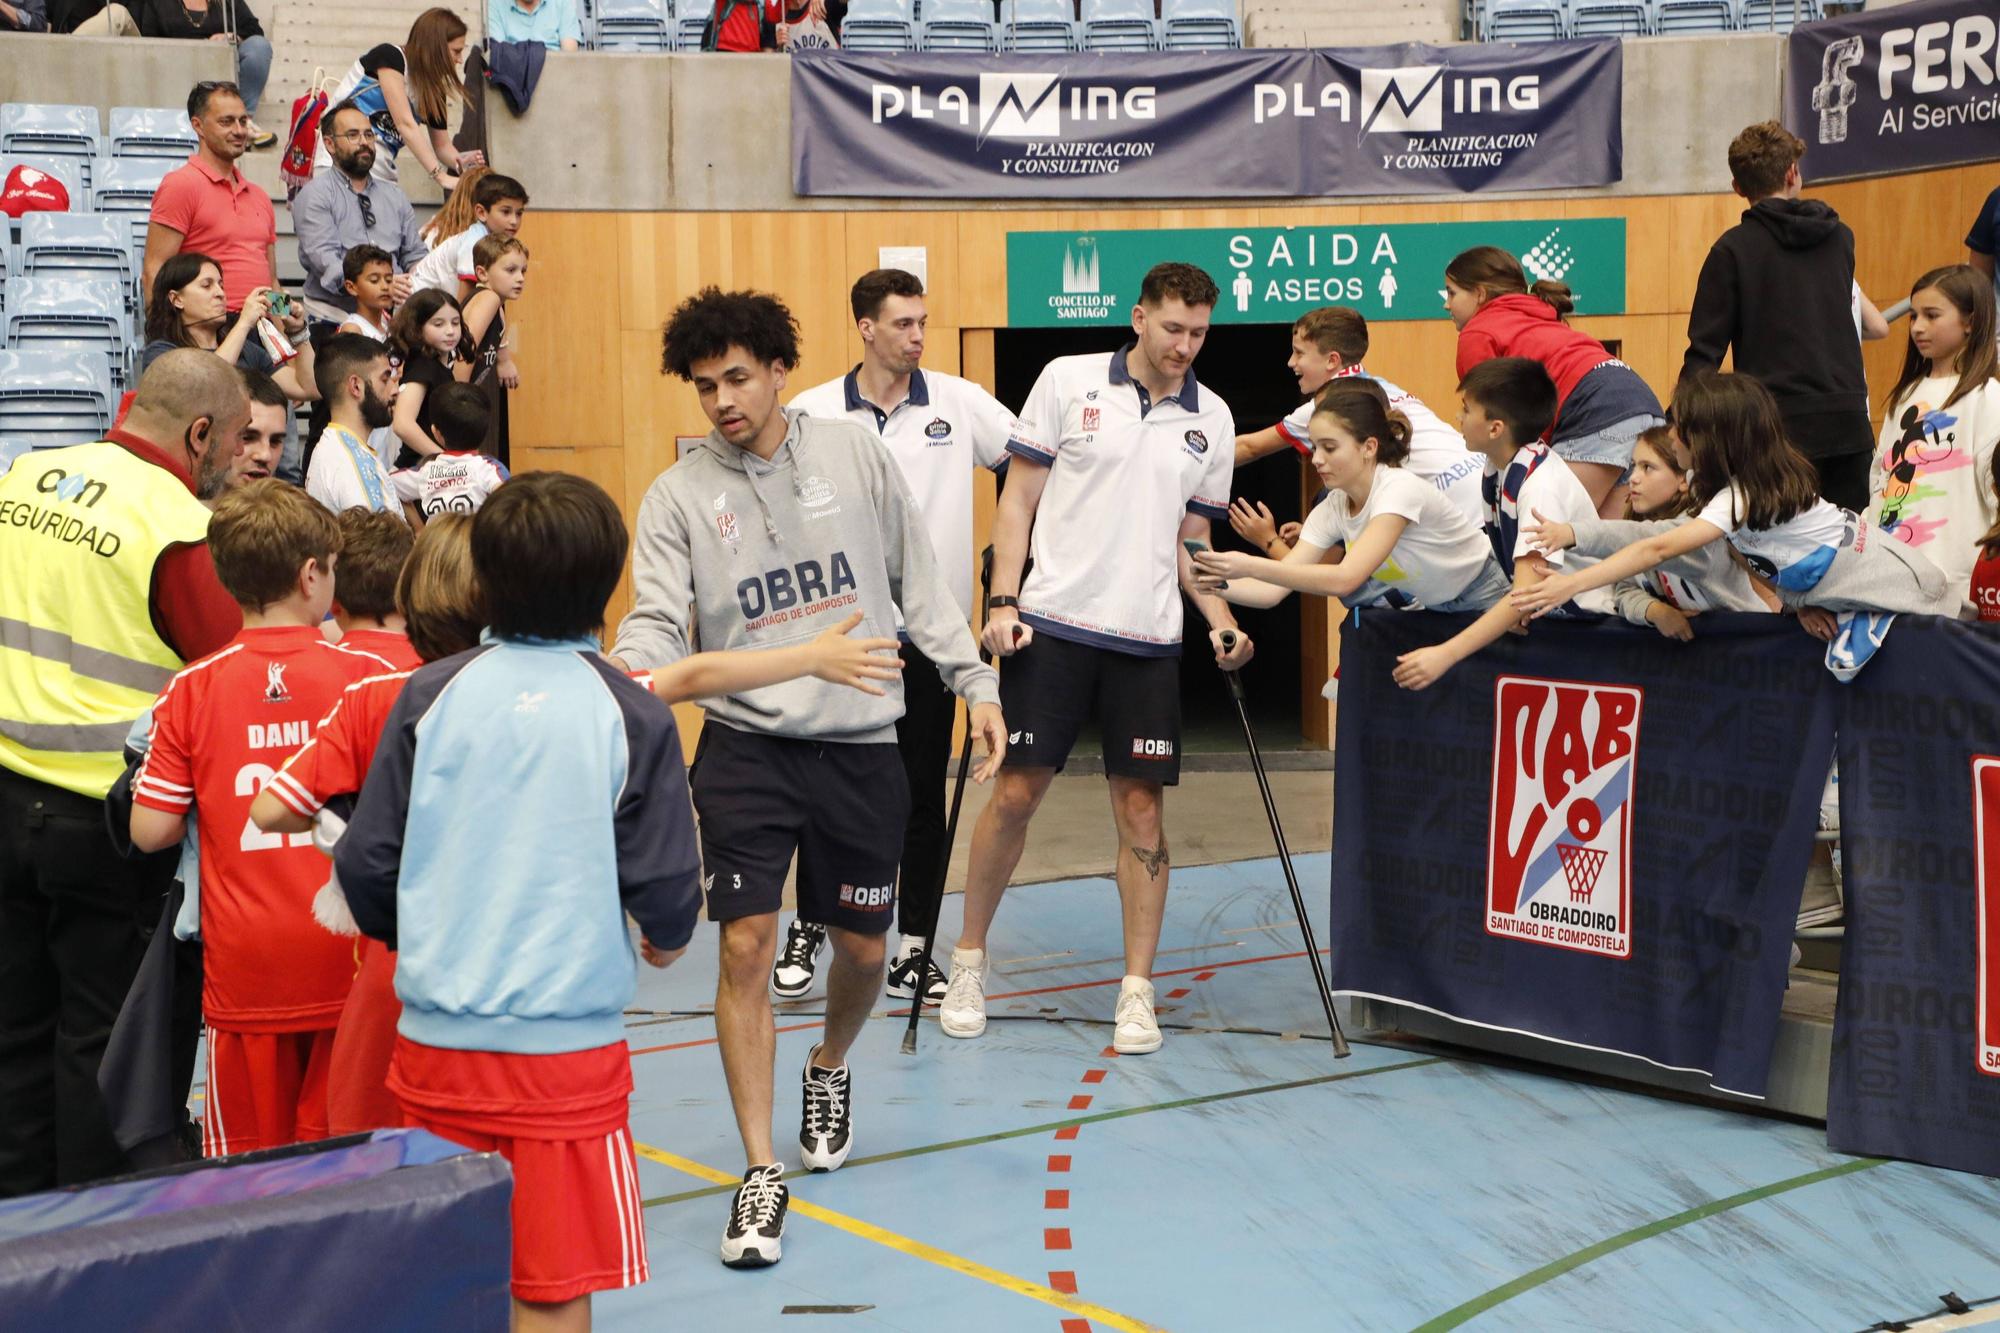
(712, 321)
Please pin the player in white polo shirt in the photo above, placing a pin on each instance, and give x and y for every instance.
(1117, 460)
(1328, 344)
(939, 428)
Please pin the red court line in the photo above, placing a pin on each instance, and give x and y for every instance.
(1063, 1281)
(1055, 1238)
(1080, 1102)
(1067, 1132)
(1055, 1199)
(1076, 1326)
(1093, 1075)
(1177, 992)
(1058, 1162)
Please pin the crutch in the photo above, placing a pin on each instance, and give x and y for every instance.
(950, 827)
(1340, 1048)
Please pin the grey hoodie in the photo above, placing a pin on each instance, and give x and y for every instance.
(733, 552)
(1709, 574)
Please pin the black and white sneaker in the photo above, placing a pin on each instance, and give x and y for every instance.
(756, 1232)
(903, 973)
(826, 1121)
(797, 961)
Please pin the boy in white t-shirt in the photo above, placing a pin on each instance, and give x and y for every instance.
(1509, 402)
(1382, 536)
(498, 205)
(357, 380)
(457, 480)
(368, 274)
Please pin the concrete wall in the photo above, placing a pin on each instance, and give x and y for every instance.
(647, 133)
(107, 71)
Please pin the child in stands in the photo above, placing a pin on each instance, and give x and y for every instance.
(367, 272)
(502, 266)
(455, 214)
(428, 338)
(1601, 403)
(1406, 541)
(373, 549)
(457, 479)
(273, 982)
(1757, 490)
(498, 205)
(1713, 578)
(1940, 425)
(1507, 404)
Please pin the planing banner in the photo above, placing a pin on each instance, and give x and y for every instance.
(1408, 119)
(1896, 89)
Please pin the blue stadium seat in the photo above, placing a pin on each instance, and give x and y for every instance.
(879, 26)
(125, 186)
(68, 314)
(634, 25)
(1199, 25)
(961, 25)
(1693, 16)
(1119, 25)
(49, 129)
(688, 30)
(1525, 21)
(1037, 26)
(1609, 18)
(151, 131)
(50, 398)
(78, 245)
(1777, 15)
(64, 169)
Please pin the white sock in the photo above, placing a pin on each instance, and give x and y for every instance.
(910, 946)
(972, 958)
(1136, 983)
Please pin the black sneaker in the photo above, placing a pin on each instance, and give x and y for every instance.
(793, 974)
(756, 1232)
(903, 978)
(826, 1121)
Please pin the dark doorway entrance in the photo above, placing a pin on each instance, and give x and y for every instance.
(1245, 364)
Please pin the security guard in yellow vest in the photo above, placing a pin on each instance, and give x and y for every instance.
(106, 590)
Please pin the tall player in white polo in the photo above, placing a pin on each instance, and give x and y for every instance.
(939, 428)
(1329, 344)
(1117, 460)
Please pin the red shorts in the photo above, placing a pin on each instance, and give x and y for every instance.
(265, 1090)
(560, 1121)
(357, 1096)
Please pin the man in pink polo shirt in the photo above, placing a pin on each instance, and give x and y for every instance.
(208, 208)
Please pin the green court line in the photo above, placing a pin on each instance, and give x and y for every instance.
(1479, 1305)
(1205, 1099)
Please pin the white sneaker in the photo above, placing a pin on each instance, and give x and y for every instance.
(963, 1013)
(792, 974)
(1138, 1030)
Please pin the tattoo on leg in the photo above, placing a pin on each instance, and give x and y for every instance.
(1153, 858)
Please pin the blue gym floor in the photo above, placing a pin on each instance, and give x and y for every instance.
(1032, 1180)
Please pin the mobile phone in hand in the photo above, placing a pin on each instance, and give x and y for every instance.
(1195, 548)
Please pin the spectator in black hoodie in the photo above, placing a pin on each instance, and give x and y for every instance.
(1777, 289)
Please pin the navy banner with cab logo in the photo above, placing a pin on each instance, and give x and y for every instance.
(1402, 119)
(1589, 834)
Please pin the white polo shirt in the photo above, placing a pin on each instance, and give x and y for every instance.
(943, 429)
(1437, 451)
(1123, 472)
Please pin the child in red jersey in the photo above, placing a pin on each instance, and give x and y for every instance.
(373, 548)
(273, 982)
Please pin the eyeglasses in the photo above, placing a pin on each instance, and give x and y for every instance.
(356, 136)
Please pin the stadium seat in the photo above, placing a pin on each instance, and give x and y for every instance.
(1609, 18)
(73, 314)
(879, 26)
(49, 129)
(151, 131)
(1777, 15)
(1199, 25)
(1693, 16)
(634, 25)
(64, 169)
(1119, 25)
(1525, 21)
(50, 398)
(1036, 26)
(125, 186)
(78, 245)
(961, 25)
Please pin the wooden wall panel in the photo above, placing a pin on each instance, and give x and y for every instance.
(565, 331)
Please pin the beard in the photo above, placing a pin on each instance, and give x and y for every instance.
(356, 164)
(213, 477)
(375, 413)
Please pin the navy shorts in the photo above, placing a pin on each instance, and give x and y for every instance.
(840, 808)
(1053, 686)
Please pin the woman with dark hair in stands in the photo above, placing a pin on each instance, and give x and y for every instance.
(188, 310)
(407, 92)
(198, 20)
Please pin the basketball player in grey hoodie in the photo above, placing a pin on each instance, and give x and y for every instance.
(775, 527)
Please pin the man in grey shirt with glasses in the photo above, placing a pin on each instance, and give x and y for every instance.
(340, 209)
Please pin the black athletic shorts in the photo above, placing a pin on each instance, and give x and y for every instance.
(1053, 686)
(840, 807)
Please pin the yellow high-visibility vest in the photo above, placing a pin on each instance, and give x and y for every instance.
(80, 530)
